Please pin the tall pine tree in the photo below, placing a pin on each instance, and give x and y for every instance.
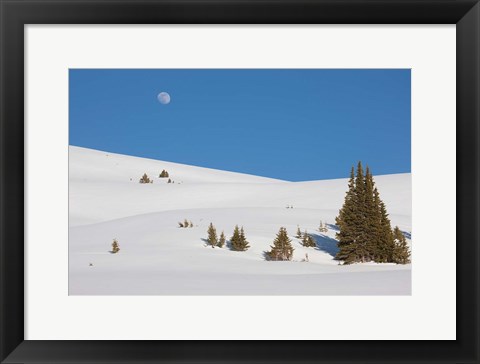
(345, 221)
(372, 219)
(385, 244)
(365, 233)
(361, 217)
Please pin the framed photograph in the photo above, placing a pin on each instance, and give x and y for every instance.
(239, 181)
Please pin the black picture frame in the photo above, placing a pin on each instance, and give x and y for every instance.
(15, 14)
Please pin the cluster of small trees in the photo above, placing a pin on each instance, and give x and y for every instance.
(212, 237)
(145, 179)
(238, 241)
(281, 250)
(185, 224)
(307, 240)
(365, 233)
(164, 174)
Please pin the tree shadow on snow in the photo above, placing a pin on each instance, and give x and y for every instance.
(332, 227)
(227, 245)
(326, 244)
(207, 243)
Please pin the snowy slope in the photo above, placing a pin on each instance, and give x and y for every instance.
(157, 257)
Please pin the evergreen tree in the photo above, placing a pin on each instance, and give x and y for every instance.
(386, 244)
(308, 241)
(346, 219)
(222, 240)
(299, 233)
(164, 174)
(372, 230)
(401, 252)
(243, 241)
(364, 227)
(323, 227)
(238, 241)
(144, 179)
(185, 223)
(235, 237)
(361, 217)
(212, 235)
(115, 246)
(304, 238)
(282, 248)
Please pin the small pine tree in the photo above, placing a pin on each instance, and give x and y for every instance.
(212, 235)
(304, 238)
(185, 223)
(401, 252)
(239, 241)
(115, 246)
(162, 174)
(235, 237)
(323, 227)
(308, 241)
(222, 240)
(144, 179)
(299, 233)
(180, 224)
(282, 248)
(169, 181)
(191, 224)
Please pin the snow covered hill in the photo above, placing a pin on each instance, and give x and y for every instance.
(157, 257)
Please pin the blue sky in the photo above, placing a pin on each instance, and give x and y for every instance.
(295, 125)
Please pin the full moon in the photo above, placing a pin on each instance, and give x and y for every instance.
(164, 98)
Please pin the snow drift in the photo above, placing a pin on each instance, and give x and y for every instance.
(106, 201)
